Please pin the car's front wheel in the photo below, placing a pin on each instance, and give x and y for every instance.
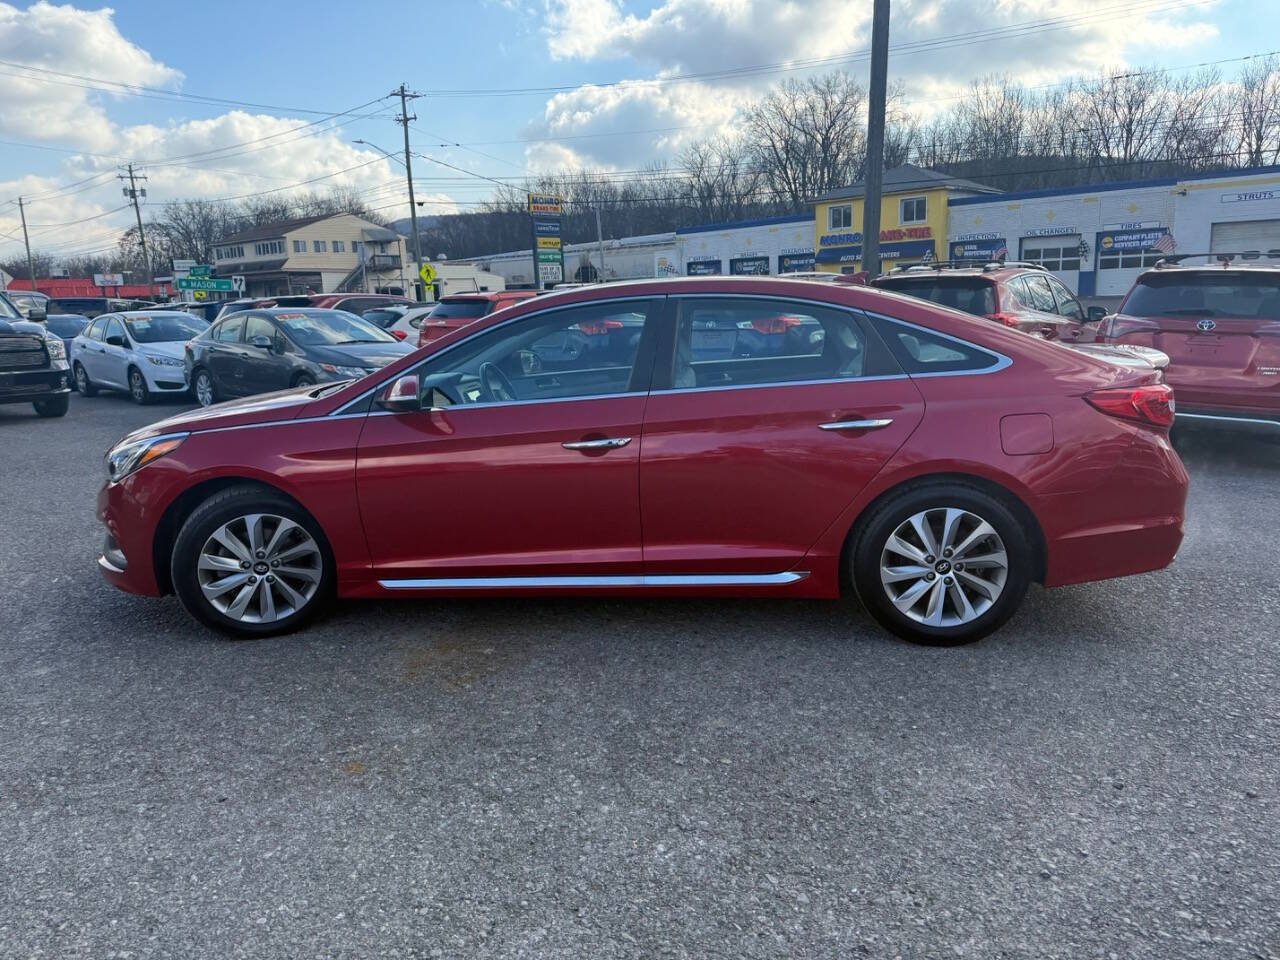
(304, 380)
(202, 387)
(250, 563)
(941, 563)
(54, 406)
(138, 387)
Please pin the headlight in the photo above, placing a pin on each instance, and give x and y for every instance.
(354, 372)
(57, 349)
(165, 361)
(130, 455)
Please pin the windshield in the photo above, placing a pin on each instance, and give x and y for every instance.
(7, 310)
(1255, 297)
(25, 301)
(383, 318)
(164, 327)
(329, 328)
(972, 296)
(469, 309)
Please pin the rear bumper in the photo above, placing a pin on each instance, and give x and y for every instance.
(1132, 523)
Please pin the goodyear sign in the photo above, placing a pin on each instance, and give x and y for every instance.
(1129, 240)
(979, 248)
(545, 204)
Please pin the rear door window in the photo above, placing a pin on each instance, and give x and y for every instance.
(1245, 296)
(94, 330)
(1040, 293)
(972, 295)
(924, 352)
(743, 342)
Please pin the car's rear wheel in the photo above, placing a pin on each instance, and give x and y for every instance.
(54, 406)
(250, 563)
(84, 385)
(941, 563)
(202, 386)
(138, 387)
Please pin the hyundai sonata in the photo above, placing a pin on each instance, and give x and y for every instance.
(725, 436)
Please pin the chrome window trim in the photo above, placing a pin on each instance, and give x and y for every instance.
(1002, 361)
(644, 580)
(489, 404)
(781, 383)
(497, 326)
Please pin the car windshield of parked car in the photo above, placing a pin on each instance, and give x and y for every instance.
(1254, 297)
(326, 328)
(26, 301)
(960, 293)
(462, 309)
(7, 310)
(164, 327)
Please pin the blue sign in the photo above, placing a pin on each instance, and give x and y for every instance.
(546, 228)
(839, 239)
(795, 262)
(703, 268)
(1132, 240)
(889, 250)
(986, 248)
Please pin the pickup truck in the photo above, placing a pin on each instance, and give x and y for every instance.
(33, 368)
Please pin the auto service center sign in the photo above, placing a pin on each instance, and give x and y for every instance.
(548, 248)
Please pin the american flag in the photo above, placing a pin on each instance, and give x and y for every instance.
(1002, 253)
(1166, 243)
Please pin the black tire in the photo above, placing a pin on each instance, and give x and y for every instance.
(226, 507)
(304, 380)
(84, 386)
(54, 406)
(196, 391)
(138, 387)
(867, 547)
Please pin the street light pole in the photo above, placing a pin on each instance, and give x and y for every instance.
(31, 267)
(874, 179)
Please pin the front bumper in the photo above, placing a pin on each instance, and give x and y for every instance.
(24, 386)
(165, 379)
(126, 558)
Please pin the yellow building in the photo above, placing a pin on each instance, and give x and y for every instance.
(913, 219)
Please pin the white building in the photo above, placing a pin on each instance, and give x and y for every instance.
(1098, 238)
(753, 247)
(632, 258)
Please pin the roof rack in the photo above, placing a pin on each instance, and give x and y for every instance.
(1247, 258)
(979, 263)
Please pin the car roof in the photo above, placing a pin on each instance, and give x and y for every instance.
(489, 295)
(995, 269)
(1216, 263)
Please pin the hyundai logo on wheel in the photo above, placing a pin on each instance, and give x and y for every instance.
(1205, 325)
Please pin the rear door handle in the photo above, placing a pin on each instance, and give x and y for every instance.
(610, 443)
(854, 425)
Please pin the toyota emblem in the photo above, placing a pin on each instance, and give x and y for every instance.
(1205, 325)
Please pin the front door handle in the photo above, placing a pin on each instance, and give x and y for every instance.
(610, 443)
(854, 425)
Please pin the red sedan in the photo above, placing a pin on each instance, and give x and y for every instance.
(608, 440)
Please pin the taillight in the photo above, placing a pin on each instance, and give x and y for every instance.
(399, 334)
(772, 326)
(1008, 319)
(598, 328)
(1151, 404)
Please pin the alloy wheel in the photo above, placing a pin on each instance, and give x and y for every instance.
(137, 387)
(944, 567)
(259, 568)
(82, 379)
(204, 389)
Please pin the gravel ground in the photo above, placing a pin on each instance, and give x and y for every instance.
(603, 778)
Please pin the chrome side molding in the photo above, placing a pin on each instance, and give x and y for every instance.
(647, 580)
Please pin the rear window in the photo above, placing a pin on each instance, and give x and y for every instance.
(449, 309)
(1223, 294)
(960, 293)
(65, 327)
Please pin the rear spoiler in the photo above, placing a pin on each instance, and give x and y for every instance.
(1246, 258)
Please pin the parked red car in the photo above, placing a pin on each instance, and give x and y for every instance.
(1024, 296)
(1219, 322)
(935, 464)
(458, 310)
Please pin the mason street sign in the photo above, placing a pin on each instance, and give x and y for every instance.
(204, 283)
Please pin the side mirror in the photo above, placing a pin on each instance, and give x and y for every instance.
(115, 340)
(1096, 314)
(402, 396)
(261, 342)
(38, 314)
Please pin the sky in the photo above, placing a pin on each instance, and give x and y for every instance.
(234, 98)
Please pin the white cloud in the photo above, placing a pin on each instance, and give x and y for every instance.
(65, 39)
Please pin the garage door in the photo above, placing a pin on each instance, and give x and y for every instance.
(1059, 255)
(1245, 235)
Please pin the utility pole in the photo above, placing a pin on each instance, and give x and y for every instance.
(31, 266)
(874, 180)
(600, 241)
(132, 192)
(405, 97)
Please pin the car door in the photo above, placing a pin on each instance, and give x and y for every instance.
(752, 448)
(114, 359)
(89, 349)
(1043, 319)
(264, 368)
(519, 466)
(225, 357)
(1069, 309)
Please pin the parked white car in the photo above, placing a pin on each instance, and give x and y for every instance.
(140, 352)
(400, 320)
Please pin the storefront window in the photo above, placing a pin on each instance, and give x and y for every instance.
(1058, 257)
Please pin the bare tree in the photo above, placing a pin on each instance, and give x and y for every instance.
(1258, 111)
(722, 179)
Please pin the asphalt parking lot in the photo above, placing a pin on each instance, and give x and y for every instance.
(601, 778)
